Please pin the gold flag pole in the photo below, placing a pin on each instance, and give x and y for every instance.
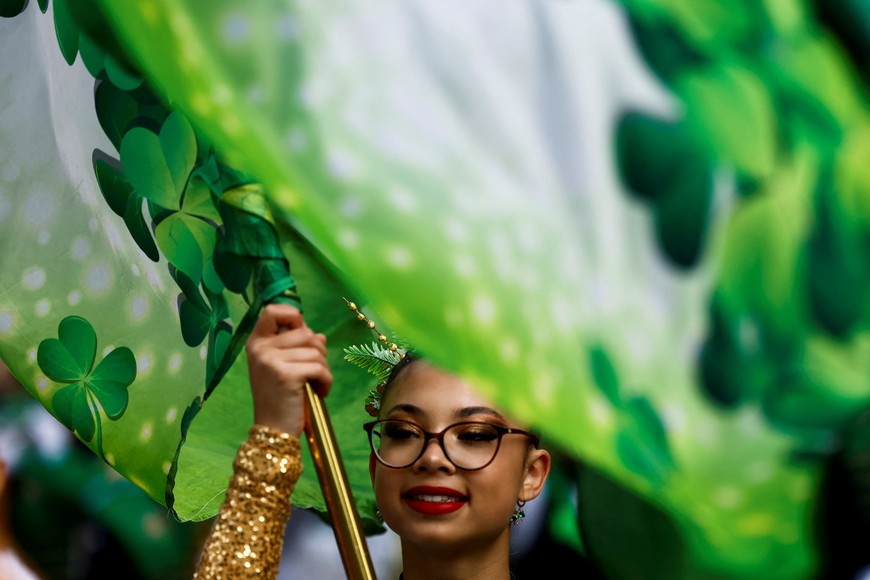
(336, 491)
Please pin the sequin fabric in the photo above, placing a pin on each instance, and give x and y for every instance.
(248, 533)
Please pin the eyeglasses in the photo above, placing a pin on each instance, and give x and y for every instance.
(469, 446)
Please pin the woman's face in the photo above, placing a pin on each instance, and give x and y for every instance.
(434, 505)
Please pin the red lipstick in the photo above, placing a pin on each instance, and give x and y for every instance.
(431, 500)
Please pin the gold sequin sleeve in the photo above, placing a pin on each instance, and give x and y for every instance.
(248, 534)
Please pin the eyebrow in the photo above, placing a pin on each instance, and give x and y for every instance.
(463, 413)
(466, 412)
(405, 408)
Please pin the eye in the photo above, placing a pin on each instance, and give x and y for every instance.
(477, 433)
(399, 431)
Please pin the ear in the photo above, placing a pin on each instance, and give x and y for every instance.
(536, 471)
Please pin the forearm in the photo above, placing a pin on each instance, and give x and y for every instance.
(249, 530)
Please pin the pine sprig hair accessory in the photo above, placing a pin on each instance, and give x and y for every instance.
(378, 358)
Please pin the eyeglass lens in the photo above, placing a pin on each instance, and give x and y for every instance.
(466, 445)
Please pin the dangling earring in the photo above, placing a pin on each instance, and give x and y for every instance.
(378, 513)
(518, 514)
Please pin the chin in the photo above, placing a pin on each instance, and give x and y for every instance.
(447, 536)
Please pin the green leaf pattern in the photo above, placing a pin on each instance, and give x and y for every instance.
(91, 390)
(696, 328)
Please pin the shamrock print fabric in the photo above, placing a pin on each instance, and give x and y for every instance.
(635, 226)
(118, 328)
(69, 359)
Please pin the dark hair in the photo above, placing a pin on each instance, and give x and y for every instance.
(399, 367)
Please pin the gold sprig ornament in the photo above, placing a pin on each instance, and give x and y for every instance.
(378, 358)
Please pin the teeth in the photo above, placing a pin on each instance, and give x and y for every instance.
(435, 498)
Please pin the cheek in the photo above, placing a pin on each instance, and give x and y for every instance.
(494, 498)
(385, 482)
(505, 480)
(387, 485)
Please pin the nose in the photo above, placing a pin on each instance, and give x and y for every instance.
(433, 458)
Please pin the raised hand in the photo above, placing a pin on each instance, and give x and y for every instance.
(283, 354)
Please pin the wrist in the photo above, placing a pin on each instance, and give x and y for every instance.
(283, 415)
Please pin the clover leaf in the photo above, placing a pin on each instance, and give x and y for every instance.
(641, 440)
(69, 359)
(117, 110)
(98, 62)
(124, 201)
(198, 317)
(188, 236)
(160, 167)
(67, 30)
(665, 164)
(10, 8)
(605, 376)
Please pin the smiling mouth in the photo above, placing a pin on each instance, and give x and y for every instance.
(435, 498)
(434, 504)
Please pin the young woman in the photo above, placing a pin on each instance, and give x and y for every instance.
(449, 471)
